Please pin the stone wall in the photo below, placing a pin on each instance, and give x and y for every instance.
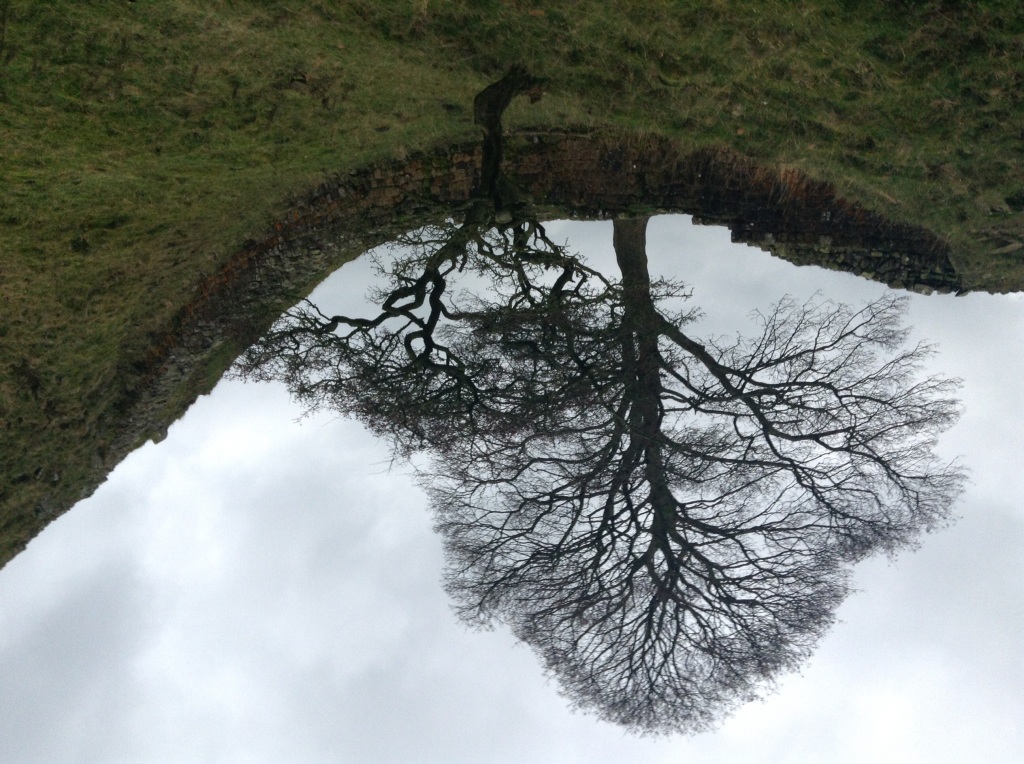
(784, 212)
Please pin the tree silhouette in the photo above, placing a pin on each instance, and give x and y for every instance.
(679, 532)
(669, 523)
(424, 390)
(411, 372)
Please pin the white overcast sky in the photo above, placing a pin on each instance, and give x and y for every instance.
(259, 590)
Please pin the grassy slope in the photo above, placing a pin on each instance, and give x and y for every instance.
(141, 143)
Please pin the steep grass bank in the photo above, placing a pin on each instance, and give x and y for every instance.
(142, 144)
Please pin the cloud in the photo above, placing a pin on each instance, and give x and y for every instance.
(254, 590)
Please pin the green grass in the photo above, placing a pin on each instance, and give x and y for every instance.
(142, 143)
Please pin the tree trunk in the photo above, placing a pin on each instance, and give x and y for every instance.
(643, 364)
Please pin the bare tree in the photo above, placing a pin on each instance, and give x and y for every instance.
(410, 372)
(423, 389)
(668, 522)
(675, 537)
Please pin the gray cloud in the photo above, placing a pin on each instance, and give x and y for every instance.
(254, 590)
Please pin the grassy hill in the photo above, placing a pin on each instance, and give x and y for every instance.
(143, 143)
